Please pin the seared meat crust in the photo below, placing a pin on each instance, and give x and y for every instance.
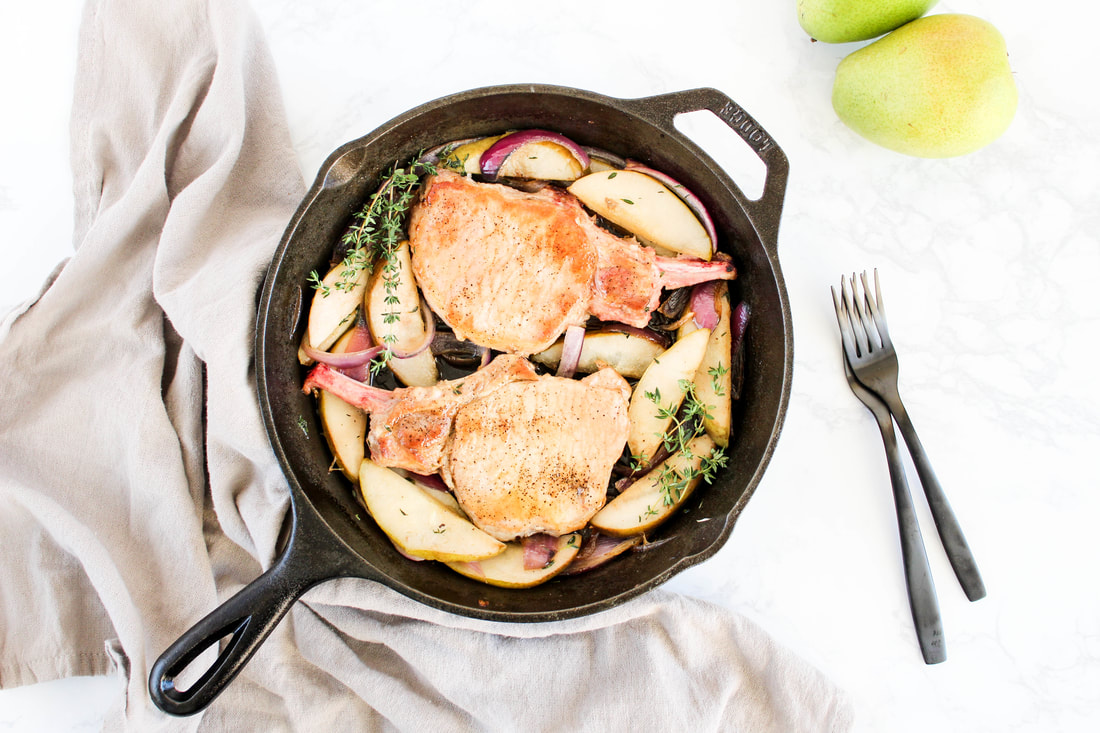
(512, 270)
(536, 456)
(523, 453)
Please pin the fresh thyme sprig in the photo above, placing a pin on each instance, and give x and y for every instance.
(378, 228)
(716, 373)
(687, 424)
(376, 232)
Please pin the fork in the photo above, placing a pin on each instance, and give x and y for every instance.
(869, 351)
(918, 577)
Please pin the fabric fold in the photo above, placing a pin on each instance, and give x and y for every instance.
(138, 490)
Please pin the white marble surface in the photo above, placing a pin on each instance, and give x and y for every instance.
(989, 263)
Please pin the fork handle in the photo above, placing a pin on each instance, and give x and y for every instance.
(918, 576)
(951, 534)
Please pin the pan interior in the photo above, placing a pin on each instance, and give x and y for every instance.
(347, 179)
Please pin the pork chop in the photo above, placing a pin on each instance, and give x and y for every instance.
(536, 456)
(523, 453)
(511, 269)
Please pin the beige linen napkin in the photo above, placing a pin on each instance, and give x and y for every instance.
(138, 489)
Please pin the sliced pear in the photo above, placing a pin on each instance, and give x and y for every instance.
(331, 314)
(653, 498)
(419, 525)
(542, 160)
(659, 392)
(467, 157)
(714, 378)
(645, 207)
(395, 318)
(628, 354)
(445, 498)
(596, 165)
(344, 426)
(507, 571)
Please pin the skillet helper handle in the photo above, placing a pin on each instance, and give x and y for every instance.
(247, 618)
(765, 211)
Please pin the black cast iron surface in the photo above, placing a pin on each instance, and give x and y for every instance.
(330, 534)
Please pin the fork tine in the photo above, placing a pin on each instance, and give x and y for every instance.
(846, 302)
(845, 323)
(851, 304)
(878, 310)
(859, 298)
(865, 307)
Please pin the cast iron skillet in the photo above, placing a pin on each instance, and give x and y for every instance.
(326, 537)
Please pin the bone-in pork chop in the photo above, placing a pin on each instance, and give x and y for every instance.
(536, 456)
(523, 453)
(511, 270)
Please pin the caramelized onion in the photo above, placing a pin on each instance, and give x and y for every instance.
(459, 352)
(674, 303)
(657, 337)
(598, 549)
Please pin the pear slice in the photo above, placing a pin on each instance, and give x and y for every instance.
(507, 571)
(467, 157)
(653, 498)
(628, 354)
(542, 160)
(714, 378)
(332, 311)
(645, 207)
(659, 392)
(396, 319)
(417, 524)
(344, 426)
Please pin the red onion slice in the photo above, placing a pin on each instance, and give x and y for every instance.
(598, 549)
(685, 195)
(657, 337)
(493, 158)
(739, 324)
(571, 351)
(429, 481)
(704, 304)
(539, 550)
(344, 362)
(359, 339)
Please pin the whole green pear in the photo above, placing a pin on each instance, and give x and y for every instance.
(938, 87)
(844, 21)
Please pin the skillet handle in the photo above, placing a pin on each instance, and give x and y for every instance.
(247, 619)
(765, 211)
